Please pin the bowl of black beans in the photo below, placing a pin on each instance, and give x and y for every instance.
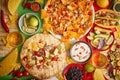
(73, 72)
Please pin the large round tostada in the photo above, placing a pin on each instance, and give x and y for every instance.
(43, 56)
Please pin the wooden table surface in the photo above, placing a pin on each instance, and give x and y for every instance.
(3, 49)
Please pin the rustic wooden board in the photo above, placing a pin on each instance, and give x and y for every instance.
(3, 49)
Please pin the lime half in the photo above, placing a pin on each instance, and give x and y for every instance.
(89, 67)
(33, 21)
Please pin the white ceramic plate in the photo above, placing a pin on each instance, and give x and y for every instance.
(73, 40)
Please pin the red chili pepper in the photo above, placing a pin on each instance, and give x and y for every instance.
(3, 22)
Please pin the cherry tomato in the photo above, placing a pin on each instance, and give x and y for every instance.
(25, 73)
(14, 73)
(35, 7)
(25, 58)
(27, 5)
(36, 53)
(19, 74)
(118, 46)
(54, 58)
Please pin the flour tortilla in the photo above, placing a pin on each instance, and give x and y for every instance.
(56, 66)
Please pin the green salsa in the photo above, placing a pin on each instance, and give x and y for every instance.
(117, 7)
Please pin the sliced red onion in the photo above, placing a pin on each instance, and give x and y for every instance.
(101, 43)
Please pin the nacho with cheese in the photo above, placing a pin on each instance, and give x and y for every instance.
(13, 5)
(70, 19)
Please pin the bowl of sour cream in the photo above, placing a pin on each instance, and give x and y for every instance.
(80, 52)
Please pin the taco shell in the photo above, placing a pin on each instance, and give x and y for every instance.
(106, 18)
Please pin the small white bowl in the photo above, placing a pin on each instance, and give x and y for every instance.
(117, 5)
(21, 23)
(81, 52)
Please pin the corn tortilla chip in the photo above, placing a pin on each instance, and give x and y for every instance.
(13, 5)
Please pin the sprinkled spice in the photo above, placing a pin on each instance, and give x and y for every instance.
(74, 73)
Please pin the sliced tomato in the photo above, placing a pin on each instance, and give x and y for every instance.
(103, 14)
(54, 58)
(42, 61)
(118, 46)
(39, 66)
(36, 53)
(28, 66)
(25, 58)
